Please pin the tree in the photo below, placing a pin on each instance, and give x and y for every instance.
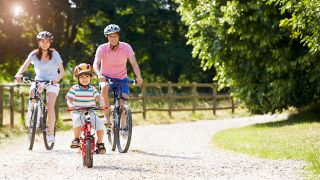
(153, 28)
(269, 68)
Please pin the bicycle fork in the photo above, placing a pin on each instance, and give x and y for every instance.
(87, 136)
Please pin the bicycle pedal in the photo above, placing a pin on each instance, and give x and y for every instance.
(74, 146)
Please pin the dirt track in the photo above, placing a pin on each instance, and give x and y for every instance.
(177, 151)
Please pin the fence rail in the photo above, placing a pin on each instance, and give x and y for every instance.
(13, 93)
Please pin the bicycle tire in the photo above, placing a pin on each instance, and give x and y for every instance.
(124, 133)
(111, 130)
(33, 125)
(48, 145)
(88, 156)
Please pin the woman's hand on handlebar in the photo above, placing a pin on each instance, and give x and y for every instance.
(18, 78)
(55, 82)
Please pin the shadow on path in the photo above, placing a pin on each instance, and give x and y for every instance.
(300, 118)
(165, 156)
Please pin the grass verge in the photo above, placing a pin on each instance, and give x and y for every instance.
(297, 137)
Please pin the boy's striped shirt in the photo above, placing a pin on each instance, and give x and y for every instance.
(83, 97)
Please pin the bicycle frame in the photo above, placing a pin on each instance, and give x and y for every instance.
(39, 112)
(117, 110)
(117, 96)
(87, 135)
(39, 100)
(87, 150)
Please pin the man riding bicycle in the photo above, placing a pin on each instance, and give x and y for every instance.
(110, 62)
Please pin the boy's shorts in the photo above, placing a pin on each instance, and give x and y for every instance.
(125, 87)
(78, 120)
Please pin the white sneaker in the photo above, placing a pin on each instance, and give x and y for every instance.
(50, 138)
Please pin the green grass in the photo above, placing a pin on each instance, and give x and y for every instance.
(298, 137)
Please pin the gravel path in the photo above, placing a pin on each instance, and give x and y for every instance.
(176, 151)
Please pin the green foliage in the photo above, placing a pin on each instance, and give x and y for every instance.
(153, 28)
(254, 47)
(303, 22)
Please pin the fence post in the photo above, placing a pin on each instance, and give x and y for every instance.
(144, 93)
(22, 106)
(194, 96)
(170, 98)
(1, 105)
(214, 100)
(11, 107)
(232, 105)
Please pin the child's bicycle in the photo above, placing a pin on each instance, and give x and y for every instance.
(120, 132)
(39, 112)
(87, 139)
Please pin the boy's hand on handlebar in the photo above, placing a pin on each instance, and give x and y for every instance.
(71, 108)
(103, 107)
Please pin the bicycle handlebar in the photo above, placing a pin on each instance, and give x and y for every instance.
(29, 80)
(87, 108)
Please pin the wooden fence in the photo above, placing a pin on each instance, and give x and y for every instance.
(17, 99)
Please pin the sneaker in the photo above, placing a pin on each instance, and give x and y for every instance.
(50, 138)
(75, 143)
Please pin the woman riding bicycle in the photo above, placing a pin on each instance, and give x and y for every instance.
(48, 67)
(110, 62)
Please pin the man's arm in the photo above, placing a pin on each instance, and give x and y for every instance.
(100, 100)
(96, 68)
(136, 69)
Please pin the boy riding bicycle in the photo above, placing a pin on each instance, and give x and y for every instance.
(85, 95)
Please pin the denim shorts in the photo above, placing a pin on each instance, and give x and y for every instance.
(125, 87)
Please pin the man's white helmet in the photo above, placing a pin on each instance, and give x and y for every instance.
(111, 28)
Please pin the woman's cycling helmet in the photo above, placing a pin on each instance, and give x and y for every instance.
(45, 35)
(82, 68)
(111, 28)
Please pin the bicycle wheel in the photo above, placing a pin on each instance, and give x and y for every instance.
(111, 130)
(32, 126)
(45, 130)
(88, 155)
(125, 129)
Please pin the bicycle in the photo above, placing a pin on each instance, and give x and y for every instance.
(120, 132)
(87, 139)
(39, 112)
